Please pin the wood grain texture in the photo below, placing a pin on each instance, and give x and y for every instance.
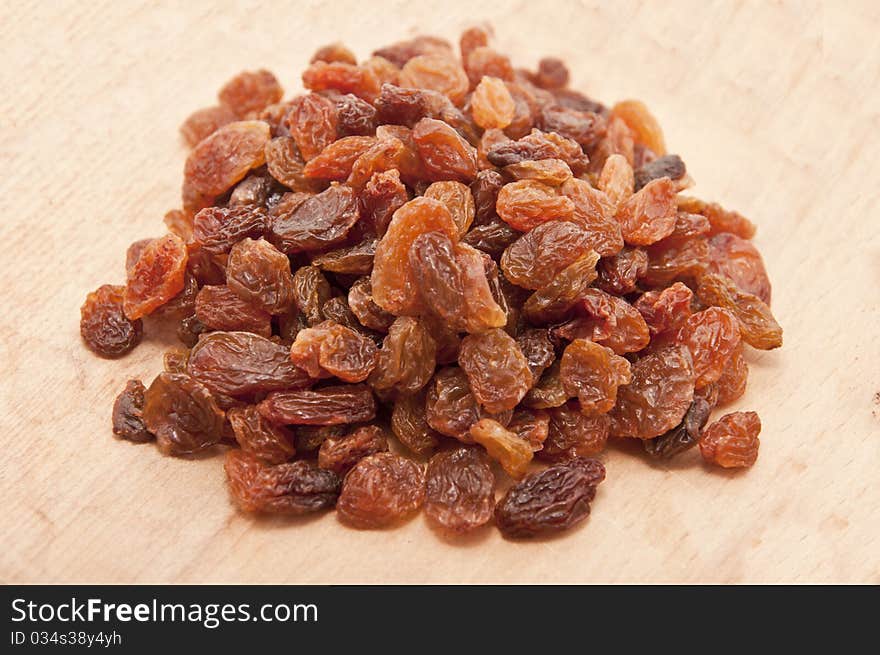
(774, 107)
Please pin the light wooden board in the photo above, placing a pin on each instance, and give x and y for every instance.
(773, 105)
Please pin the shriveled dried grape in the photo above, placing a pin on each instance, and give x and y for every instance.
(311, 291)
(312, 122)
(757, 324)
(551, 500)
(224, 158)
(531, 425)
(658, 395)
(444, 153)
(220, 308)
(291, 488)
(732, 383)
(217, 229)
(410, 425)
(182, 414)
(497, 371)
(270, 443)
(260, 274)
(526, 204)
(353, 403)
(128, 413)
(407, 358)
(157, 276)
(732, 441)
(570, 432)
(508, 448)
(321, 221)
(712, 336)
(670, 166)
(330, 349)
(242, 364)
(592, 373)
(683, 436)
(648, 215)
(341, 454)
(380, 490)
(459, 490)
(104, 326)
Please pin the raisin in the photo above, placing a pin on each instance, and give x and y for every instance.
(758, 326)
(738, 260)
(676, 259)
(459, 490)
(383, 195)
(593, 213)
(381, 490)
(732, 441)
(174, 360)
(583, 127)
(611, 321)
(720, 219)
(683, 436)
(321, 221)
(241, 364)
(309, 438)
(337, 309)
(410, 426)
(157, 276)
(189, 329)
(312, 122)
(311, 291)
(393, 281)
(436, 72)
(406, 361)
(659, 393)
(541, 253)
(666, 310)
(224, 158)
(551, 500)
(444, 153)
(341, 454)
(334, 52)
(553, 301)
(645, 127)
(204, 122)
(670, 166)
(539, 145)
(286, 165)
(531, 425)
(553, 172)
(336, 161)
(620, 273)
(491, 238)
(570, 433)
(732, 383)
(217, 229)
(617, 180)
(260, 275)
(128, 413)
(330, 349)
(326, 406)
(535, 345)
(180, 411)
(351, 260)
(104, 326)
(292, 488)
(342, 77)
(450, 407)
(712, 336)
(355, 117)
(497, 371)
(552, 73)
(270, 443)
(484, 189)
(526, 204)
(483, 61)
(592, 373)
(220, 308)
(458, 200)
(370, 315)
(507, 448)
(473, 38)
(648, 215)
(481, 309)
(249, 92)
(492, 105)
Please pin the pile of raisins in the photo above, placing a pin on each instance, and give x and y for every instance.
(429, 269)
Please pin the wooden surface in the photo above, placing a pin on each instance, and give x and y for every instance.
(774, 107)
